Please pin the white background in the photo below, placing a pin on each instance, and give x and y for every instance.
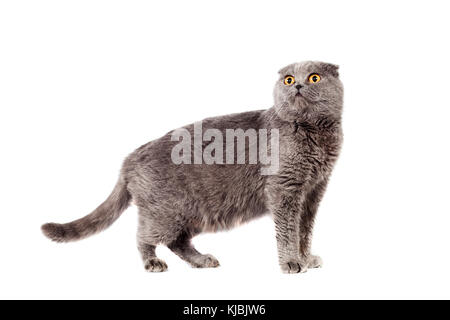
(84, 83)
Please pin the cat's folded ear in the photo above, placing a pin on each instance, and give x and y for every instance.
(282, 71)
(333, 69)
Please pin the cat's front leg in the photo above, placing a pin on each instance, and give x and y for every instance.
(310, 206)
(286, 210)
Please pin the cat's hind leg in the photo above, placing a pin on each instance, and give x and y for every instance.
(183, 248)
(148, 237)
(151, 262)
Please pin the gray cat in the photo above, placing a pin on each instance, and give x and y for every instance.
(179, 201)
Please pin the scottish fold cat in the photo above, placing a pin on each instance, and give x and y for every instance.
(179, 198)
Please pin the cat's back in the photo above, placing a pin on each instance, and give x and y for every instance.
(158, 152)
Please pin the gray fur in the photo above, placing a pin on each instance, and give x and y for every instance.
(177, 202)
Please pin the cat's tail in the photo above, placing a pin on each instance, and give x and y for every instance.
(100, 219)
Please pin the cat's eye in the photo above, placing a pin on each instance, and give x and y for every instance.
(289, 80)
(314, 78)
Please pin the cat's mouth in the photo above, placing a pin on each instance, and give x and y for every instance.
(298, 94)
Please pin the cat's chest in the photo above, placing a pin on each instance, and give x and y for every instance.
(312, 153)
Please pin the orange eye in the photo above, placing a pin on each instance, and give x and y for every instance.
(289, 80)
(314, 78)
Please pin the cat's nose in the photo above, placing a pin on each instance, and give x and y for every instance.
(299, 86)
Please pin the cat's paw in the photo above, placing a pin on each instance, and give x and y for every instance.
(204, 261)
(155, 265)
(314, 262)
(294, 267)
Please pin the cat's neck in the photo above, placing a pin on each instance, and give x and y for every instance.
(316, 123)
(312, 122)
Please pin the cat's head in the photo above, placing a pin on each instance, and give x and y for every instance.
(307, 89)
